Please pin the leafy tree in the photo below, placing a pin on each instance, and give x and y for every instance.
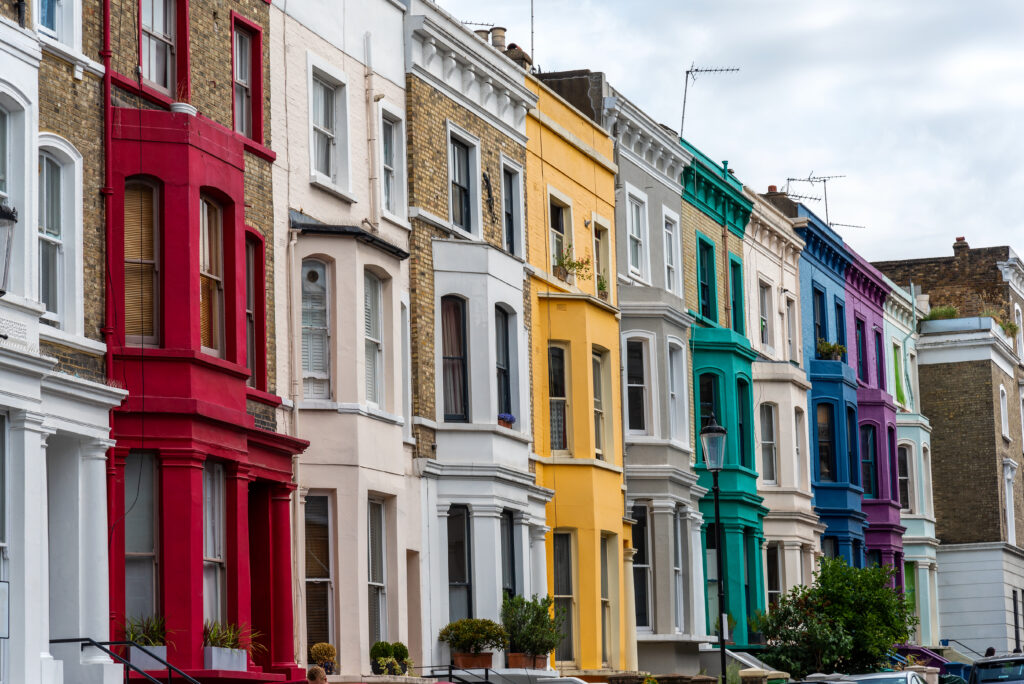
(846, 621)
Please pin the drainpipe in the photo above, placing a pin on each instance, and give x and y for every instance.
(906, 355)
(108, 173)
(372, 125)
(21, 13)
(725, 257)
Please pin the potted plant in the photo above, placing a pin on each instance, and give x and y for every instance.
(151, 634)
(830, 350)
(534, 630)
(565, 264)
(390, 659)
(602, 287)
(323, 654)
(469, 638)
(226, 646)
(506, 420)
(181, 103)
(400, 654)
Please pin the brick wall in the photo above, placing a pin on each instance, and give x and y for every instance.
(428, 112)
(259, 214)
(692, 219)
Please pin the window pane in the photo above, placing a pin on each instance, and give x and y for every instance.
(139, 587)
(3, 152)
(563, 591)
(388, 141)
(48, 14)
(635, 385)
(768, 442)
(867, 461)
(508, 554)
(453, 330)
(318, 542)
(641, 566)
(459, 587)
(49, 270)
(375, 541)
(318, 613)
(315, 351)
(903, 458)
(139, 525)
(243, 64)
(826, 457)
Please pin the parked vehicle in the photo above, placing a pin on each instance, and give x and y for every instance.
(889, 678)
(1005, 668)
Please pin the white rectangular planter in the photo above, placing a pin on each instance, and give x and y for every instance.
(144, 662)
(232, 659)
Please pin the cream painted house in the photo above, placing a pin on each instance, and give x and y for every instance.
(338, 103)
(771, 254)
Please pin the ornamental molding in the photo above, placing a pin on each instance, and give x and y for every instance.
(867, 280)
(643, 141)
(774, 231)
(475, 75)
(1012, 271)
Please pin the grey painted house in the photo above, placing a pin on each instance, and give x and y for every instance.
(662, 491)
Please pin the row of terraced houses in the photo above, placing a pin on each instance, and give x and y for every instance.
(336, 320)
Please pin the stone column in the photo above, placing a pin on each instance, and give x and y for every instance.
(27, 541)
(661, 558)
(629, 608)
(239, 584)
(486, 561)
(792, 564)
(538, 560)
(95, 597)
(695, 581)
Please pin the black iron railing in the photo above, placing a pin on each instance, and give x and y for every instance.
(128, 667)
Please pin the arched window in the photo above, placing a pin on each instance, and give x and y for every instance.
(454, 359)
(373, 340)
(141, 263)
(58, 236)
(316, 352)
(1004, 415)
(769, 443)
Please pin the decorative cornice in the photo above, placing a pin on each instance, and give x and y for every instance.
(867, 280)
(644, 141)
(898, 306)
(715, 191)
(1012, 271)
(823, 245)
(472, 73)
(773, 230)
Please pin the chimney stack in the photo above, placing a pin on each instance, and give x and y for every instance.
(498, 38)
(519, 56)
(960, 247)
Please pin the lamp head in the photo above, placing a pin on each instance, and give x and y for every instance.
(712, 440)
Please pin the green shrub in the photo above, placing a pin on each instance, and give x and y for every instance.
(399, 652)
(942, 313)
(322, 652)
(381, 649)
(473, 635)
(533, 627)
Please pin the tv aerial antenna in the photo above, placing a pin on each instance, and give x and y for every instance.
(691, 75)
(845, 225)
(811, 178)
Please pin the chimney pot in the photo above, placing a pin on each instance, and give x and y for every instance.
(482, 34)
(772, 188)
(960, 239)
(498, 37)
(960, 247)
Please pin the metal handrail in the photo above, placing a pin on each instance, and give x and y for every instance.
(962, 644)
(86, 641)
(451, 669)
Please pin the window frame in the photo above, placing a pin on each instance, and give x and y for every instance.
(311, 329)
(840, 309)
(869, 461)
(379, 383)
(338, 182)
(463, 360)
(49, 165)
(172, 12)
(396, 117)
(605, 550)
(218, 315)
(329, 579)
(904, 476)
(214, 478)
(678, 392)
(646, 344)
(507, 546)
(830, 441)
(515, 231)
(673, 280)
(771, 444)
(504, 404)
(819, 316)
(737, 295)
(599, 384)
(897, 376)
(374, 582)
(132, 487)
(568, 537)
(880, 358)
(1018, 318)
(567, 442)
(474, 210)
(240, 24)
(640, 234)
(564, 204)
(773, 595)
(860, 332)
(1004, 416)
(152, 340)
(707, 307)
(5, 152)
(642, 565)
(464, 510)
(765, 314)
(678, 571)
(853, 447)
(601, 233)
(256, 248)
(792, 331)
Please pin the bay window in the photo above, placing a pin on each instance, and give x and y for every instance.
(508, 555)
(773, 563)
(376, 564)
(558, 397)
(316, 369)
(852, 455)
(825, 415)
(141, 265)
(672, 279)
(319, 578)
(460, 585)
(51, 238)
(253, 324)
(141, 587)
(636, 223)
(606, 601)
(903, 473)
(158, 46)
(211, 281)
(678, 555)
(637, 391)
(597, 371)
(713, 577)
(373, 340)
(214, 560)
(503, 361)
(454, 359)
(679, 429)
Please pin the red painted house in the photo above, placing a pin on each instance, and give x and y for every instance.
(200, 482)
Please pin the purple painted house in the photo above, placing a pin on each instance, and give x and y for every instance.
(876, 412)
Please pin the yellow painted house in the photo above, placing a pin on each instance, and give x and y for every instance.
(576, 379)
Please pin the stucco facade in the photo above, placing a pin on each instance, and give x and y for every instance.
(771, 258)
(913, 462)
(343, 354)
(577, 424)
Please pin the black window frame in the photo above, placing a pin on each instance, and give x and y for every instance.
(508, 199)
(829, 442)
(503, 362)
(462, 360)
(869, 460)
(860, 333)
(461, 194)
(454, 513)
(509, 584)
(820, 317)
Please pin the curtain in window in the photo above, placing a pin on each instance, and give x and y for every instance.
(453, 350)
(556, 393)
(139, 262)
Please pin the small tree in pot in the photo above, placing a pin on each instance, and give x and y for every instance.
(149, 633)
(534, 629)
(469, 638)
(323, 654)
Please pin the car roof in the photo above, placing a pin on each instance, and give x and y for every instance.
(1005, 658)
(880, 675)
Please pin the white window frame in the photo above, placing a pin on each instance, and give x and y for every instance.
(331, 537)
(651, 420)
(1009, 472)
(800, 448)
(772, 444)
(56, 242)
(601, 255)
(792, 331)
(1018, 318)
(338, 183)
(215, 550)
(912, 507)
(1004, 416)
(242, 40)
(219, 314)
(599, 380)
(374, 345)
(68, 29)
(70, 318)
(673, 280)
(399, 191)
(382, 583)
(476, 220)
(678, 563)
(766, 315)
(678, 393)
(568, 237)
(641, 234)
(518, 236)
(328, 320)
(170, 38)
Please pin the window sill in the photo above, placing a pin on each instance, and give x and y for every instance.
(395, 220)
(262, 397)
(322, 182)
(78, 60)
(573, 461)
(486, 427)
(1007, 438)
(79, 342)
(701, 319)
(256, 147)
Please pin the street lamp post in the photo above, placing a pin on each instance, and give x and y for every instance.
(712, 439)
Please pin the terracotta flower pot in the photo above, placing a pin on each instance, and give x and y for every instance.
(540, 662)
(603, 294)
(520, 660)
(472, 661)
(505, 423)
(561, 273)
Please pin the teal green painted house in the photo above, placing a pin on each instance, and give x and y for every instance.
(714, 216)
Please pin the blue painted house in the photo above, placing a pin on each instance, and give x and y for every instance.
(835, 460)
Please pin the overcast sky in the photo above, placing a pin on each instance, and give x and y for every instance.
(919, 103)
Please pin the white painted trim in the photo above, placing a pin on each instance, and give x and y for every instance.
(674, 341)
(79, 342)
(454, 131)
(650, 341)
(341, 184)
(396, 115)
(675, 287)
(644, 272)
